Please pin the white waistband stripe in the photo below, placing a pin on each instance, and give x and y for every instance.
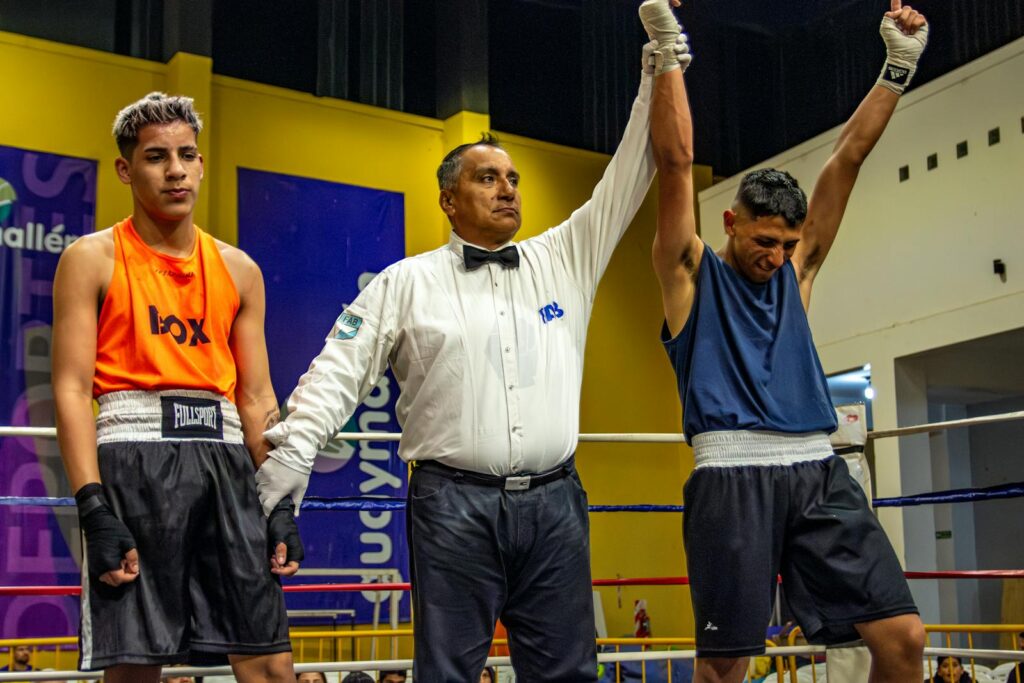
(169, 415)
(748, 448)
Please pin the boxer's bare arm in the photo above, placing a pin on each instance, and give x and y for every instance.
(835, 184)
(254, 392)
(83, 274)
(677, 248)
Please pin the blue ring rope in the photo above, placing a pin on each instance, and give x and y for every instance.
(1012, 490)
(316, 503)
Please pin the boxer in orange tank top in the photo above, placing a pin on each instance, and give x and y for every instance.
(163, 325)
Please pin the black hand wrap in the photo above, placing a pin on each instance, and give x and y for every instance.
(107, 539)
(281, 528)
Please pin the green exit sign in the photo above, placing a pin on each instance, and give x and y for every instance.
(944, 534)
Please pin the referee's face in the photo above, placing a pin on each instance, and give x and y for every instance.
(484, 207)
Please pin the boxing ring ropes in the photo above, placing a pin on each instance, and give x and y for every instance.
(1012, 490)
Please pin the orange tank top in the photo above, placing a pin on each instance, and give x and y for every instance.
(158, 328)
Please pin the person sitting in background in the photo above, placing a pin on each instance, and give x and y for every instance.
(951, 670)
(488, 675)
(321, 677)
(21, 659)
(177, 679)
(392, 676)
(1016, 674)
(357, 677)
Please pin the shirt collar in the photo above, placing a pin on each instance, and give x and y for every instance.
(456, 243)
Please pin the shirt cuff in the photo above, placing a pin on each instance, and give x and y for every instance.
(277, 434)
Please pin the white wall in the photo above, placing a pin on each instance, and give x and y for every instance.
(912, 268)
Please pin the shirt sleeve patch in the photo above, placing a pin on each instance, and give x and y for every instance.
(347, 326)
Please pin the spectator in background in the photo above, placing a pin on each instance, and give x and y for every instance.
(488, 675)
(1016, 674)
(321, 677)
(357, 677)
(177, 679)
(951, 670)
(21, 659)
(392, 677)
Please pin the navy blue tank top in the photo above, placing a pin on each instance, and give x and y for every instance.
(745, 358)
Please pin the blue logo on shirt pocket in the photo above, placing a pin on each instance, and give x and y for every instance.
(550, 312)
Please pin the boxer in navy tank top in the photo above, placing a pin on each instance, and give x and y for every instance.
(767, 495)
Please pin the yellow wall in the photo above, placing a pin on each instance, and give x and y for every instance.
(63, 99)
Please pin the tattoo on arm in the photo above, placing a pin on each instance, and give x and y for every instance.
(271, 418)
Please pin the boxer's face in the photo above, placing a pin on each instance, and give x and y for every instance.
(485, 205)
(759, 246)
(165, 170)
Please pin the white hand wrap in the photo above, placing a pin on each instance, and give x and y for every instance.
(275, 480)
(903, 51)
(672, 50)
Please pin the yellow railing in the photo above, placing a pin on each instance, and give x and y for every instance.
(791, 660)
(971, 629)
(348, 645)
(62, 653)
(55, 653)
(649, 643)
(947, 629)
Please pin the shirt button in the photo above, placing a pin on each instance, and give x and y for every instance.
(511, 387)
(501, 313)
(508, 349)
(495, 284)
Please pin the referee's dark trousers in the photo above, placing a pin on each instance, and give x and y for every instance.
(483, 548)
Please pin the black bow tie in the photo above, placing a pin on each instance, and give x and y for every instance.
(507, 257)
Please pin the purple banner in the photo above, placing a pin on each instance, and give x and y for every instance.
(46, 202)
(318, 244)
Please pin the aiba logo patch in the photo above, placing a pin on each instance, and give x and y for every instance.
(550, 312)
(347, 326)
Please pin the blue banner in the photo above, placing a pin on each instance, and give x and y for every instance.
(318, 244)
(46, 202)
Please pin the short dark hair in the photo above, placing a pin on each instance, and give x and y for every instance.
(400, 672)
(156, 107)
(355, 677)
(451, 165)
(769, 192)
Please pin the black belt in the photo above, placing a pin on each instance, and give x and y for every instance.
(516, 483)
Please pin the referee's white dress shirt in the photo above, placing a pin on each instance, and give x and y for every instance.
(489, 361)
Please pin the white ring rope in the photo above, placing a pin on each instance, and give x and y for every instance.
(604, 658)
(649, 437)
(950, 424)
